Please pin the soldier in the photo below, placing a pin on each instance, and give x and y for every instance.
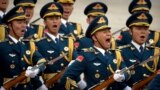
(17, 56)
(138, 50)
(139, 6)
(3, 7)
(98, 62)
(69, 28)
(54, 45)
(33, 31)
(155, 83)
(91, 11)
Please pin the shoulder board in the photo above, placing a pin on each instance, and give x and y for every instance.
(152, 46)
(124, 46)
(80, 36)
(88, 49)
(37, 40)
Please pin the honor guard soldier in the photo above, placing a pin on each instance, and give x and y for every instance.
(18, 56)
(53, 44)
(69, 28)
(138, 50)
(3, 7)
(33, 31)
(91, 11)
(98, 62)
(134, 7)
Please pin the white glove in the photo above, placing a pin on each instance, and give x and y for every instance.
(118, 77)
(42, 87)
(2, 88)
(82, 84)
(31, 73)
(127, 88)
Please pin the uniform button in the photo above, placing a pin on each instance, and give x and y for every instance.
(132, 72)
(24, 68)
(97, 70)
(143, 65)
(145, 75)
(72, 88)
(12, 66)
(25, 86)
(107, 68)
(50, 57)
(22, 59)
(62, 64)
(12, 61)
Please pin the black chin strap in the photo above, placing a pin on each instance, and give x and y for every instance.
(99, 42)
(14, 31)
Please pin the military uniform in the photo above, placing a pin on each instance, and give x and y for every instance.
(93, 62)
(16, 56)
(52, 46)
(134, 7)
(135, 52)
(33, 31)
(155, 83)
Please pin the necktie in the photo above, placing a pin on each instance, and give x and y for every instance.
(57, 40)
(141, 49)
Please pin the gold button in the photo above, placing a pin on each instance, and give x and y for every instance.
(22, 59)
(72, 88)
(97, 75)
(12, 66)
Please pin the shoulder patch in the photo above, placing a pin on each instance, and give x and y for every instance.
(80, 58)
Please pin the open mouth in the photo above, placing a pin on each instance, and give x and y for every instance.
(66, 12)
(142, 37)
(108, 40)
(54, 26)
(4, 2)
(28, 15)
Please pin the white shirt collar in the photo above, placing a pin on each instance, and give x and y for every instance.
(137, 45)
(64, 21)
(53, 37)
(100, 49)
(14, 39)
(1, 13)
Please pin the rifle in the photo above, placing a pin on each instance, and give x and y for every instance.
(108, 81)
(118, 31)
(34, 21)
(55, 78)
(22, 76)
(144, 82)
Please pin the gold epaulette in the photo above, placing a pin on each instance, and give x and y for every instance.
(151, 46)
(124, 46)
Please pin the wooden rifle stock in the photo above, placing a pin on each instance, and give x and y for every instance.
(14, 81)
(22, 76)
(55, 78)
(104, 84)
(144, 82)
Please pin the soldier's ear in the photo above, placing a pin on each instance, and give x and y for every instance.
(94, 38)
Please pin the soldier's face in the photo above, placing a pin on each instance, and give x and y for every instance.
(53, 24)
(140, 34)
(29, 10)
(4, 4)
(68, 8)
(17, 28)
(102, 38)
